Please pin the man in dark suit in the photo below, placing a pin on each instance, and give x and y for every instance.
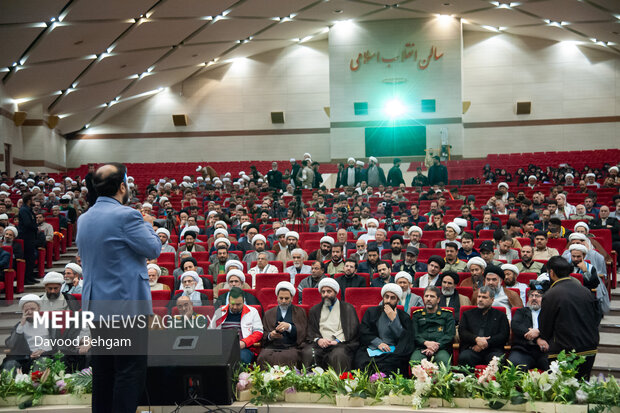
(483, 331)
(487, 223)
(525, 352)
(604, 221)
(322, 225)
(28, 231)
(114, 242)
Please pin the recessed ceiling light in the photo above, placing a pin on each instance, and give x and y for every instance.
(78, 42)
(446, 4)
(337, 11)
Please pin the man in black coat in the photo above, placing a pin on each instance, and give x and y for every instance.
(91, 195)
(437, 173)
(525, 352)
(483, 331)
(386, 335)
(604, 221)
(28, 230)
(350, 278)
(569, 316)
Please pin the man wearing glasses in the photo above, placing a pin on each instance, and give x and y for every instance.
(529, 351)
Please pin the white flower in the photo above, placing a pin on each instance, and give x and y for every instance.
(22, 378)
(545, 387)
(582, 396)
(267, 377)
(572, 382)
(554, 367)
(318, 370)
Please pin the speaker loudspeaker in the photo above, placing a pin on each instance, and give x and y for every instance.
(52, 121)
(277, 117)
(179, 120)
(19, 118)
(524, 108)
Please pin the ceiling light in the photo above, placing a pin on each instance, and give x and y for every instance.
(491, 28)
(305, 39)
(325, 30)
(74, 85)
(150, 69)
(87, 126)
(53, 19)
(276, 19)
(14, 64)
(226, 12)
(337, 11)
(295, 39)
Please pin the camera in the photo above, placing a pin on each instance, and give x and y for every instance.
(542, 285)
(388, 209)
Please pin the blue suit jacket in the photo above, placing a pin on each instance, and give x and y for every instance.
(114, 243)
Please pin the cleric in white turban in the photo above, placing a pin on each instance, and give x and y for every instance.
(53, 299)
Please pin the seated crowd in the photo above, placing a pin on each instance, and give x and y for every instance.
(367, 275)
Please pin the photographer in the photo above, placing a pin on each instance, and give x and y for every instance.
(569, 316)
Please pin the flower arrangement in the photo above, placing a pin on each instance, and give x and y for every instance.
(497, 385)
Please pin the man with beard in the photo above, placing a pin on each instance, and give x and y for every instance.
(383, 269)
(590, 276)
(324, 252)
(434, 328)
(542, 252)
(189, 281)
(72, 277)
(190, 242)
(449, 296)
(483, 331)
(452, 261)
(285, 326)
(28, 231)
(503, 297)
(405, 281)
(415, 235)
(435, 265)
(360, 253)
(350, 278)
(236, 315)
(511, 272)
(53, 299)
(395, 254)
(526, 352)
(370, 265)
(322, 225)
(292, 239)
(410, 265)
(476, 267)
(336, 264)
(356, 225)
(298, 267)
(164, 237)
(219, 267)
(333, 331)
(386, 335)
(312, 281)
(467, 251)
(527, 264)
(259, 242)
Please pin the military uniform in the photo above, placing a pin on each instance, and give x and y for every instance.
(437, 327)
(458, 266)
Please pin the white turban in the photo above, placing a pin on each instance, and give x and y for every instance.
(373, 159)
(292, 160)
(293, 234)
(307, 155)
(187, 178)
(53, 277)
(360, 163)
(220, 223)
(281, 231)
(476, 261)
(454, 226)
(259, 237)
(286, 286)
(220, 241)
(577, 235)
(502, 184)
(192, 274)
(74, 267)
(198, 168)
(236, 273)
(461, 222)
(329, 282)
(582, 224)
(569, 175)
(532, 177)
(372, 220)
(351, 160)
(147, 205)
(403, 274)
(233, 263)
(392, 288)
(613, 168)
(578, 247)
(4, 216)
(12, 229)
(29, 298)
(155, 267)
(591, 174)
(416, 229)
(163, 199)
(327, 239)
(163, 231)
(510, 267)
(220, 231)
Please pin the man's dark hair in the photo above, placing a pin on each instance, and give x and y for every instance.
(526, 201)
(189, 259)
(109, 184)
(339, 245)
(552, 202)
(452, 245)
(433, 289)
(350, 260)
(513, 223)
(506, 237)
(561, 268)
(467, 235)
(235, 292)
(384, 262)
(540, 234)
(556, 221)
(27, 197)
(222, 247)
(526, 221)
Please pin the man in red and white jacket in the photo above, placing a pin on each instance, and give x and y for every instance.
(246, 320)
